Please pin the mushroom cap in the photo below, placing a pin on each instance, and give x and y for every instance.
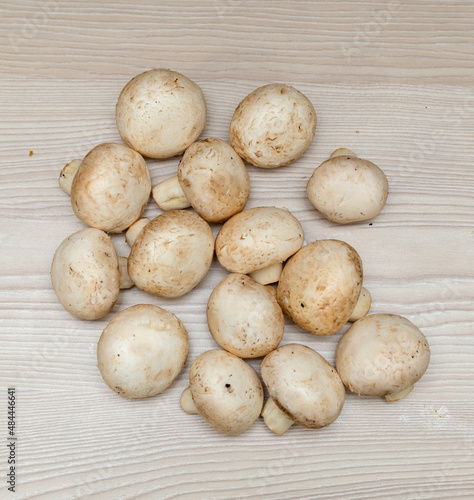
(382, 354)
(85, 274)
(214, 179)
(171, 254)
(160, 113)
(348, 189)
(273, 126)
(142, 350)
(226, 391)
(320, 285)
(257, 238)
(111, 187)
(303, 385)
(244, 317)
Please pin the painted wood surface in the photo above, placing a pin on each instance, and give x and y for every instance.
(392, 81)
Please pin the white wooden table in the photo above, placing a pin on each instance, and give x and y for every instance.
(391, 80)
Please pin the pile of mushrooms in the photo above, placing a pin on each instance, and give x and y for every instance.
(273, 271)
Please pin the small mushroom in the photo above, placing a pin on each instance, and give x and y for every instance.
(382, 355)
(244, 317)
(211, 178)
(320, 286)
(273, 126)
(142, 351)
(303, 387)
(171, 254)
(259, 239)
(85, 274)
(109, 188)
(346, 188)
(160, 113)
(224, 390)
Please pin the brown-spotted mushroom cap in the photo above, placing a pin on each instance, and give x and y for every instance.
(171, 254)
(85, 274)
(346, 188)
(320, 286)
(110, 187)
(142, 350)
(226, 391)
(212, 179)
(160, 113)
(303, 388)
(258, 238)
(273, 126)
(382, 355)
(244, 317)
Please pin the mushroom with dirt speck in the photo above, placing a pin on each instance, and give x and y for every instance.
(382, 355)
(244, 317)
(224, 390)
(142, 351)
(211, 178)
(346, 188)
(273, 126)
(171, 254)
(303, 387)
(320, 286)
(109, 188)
(160, 113)
(85, 274)
(256, 242)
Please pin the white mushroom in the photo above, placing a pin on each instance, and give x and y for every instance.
(244, 317)
(142, 351)
(160, 113)
(225, 391)
(382, 355)
(171, 254)
(362, 307)
(85, 274)
(273, 126)
(346, 188)
(320, 286)
(211, 178)
(259, 239)
(303, 387)
(109, 188)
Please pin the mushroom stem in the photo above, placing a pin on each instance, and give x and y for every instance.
(67, 175)
(134, 230)
(125, 280)
(363, 305)
(168, 195)
(187, 402)
(399, 395)
(269, 274)
(343, 152)
(277, 421)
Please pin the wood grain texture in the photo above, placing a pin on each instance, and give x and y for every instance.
(401, 96)
(369, 41)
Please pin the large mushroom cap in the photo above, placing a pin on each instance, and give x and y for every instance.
(111, 187)
(382, 354)
(303, 385)
(320, 285)
(257, 238)
(214, 179)
(273, 126)
(160, 113)
(244, 317)
(85, 274)
(226, 391)
(142, 350)
(348, 189)
(171, 254)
